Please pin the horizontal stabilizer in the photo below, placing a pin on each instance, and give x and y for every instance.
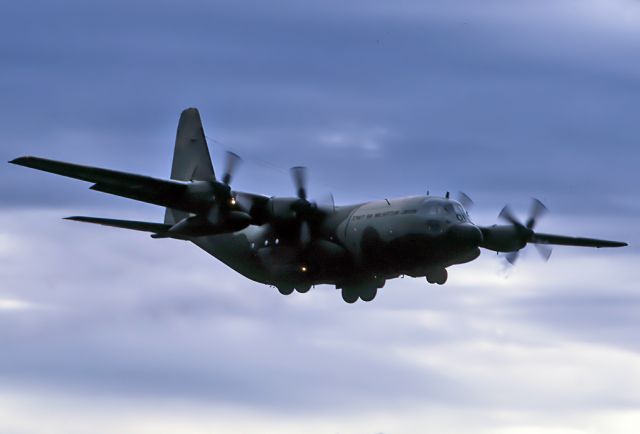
(123, 224)
(574, 241)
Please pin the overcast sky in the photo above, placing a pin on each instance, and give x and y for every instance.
(110, 331)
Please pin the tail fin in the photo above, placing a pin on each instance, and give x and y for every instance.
(191, 159)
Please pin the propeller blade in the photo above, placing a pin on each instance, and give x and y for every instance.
(525, 233)
(508, 215)
(214, 216)
(299, 175)
(327, 203)
(232, 162)
(465, 200)
(305, 233)
(537, 210)
(512, 257)
(544, 250)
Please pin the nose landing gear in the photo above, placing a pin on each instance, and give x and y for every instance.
(438, 275)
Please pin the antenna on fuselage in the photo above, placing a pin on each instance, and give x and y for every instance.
(446, 196)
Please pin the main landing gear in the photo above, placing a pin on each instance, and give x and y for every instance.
(437, 275)
(364, 291)
(287, 289)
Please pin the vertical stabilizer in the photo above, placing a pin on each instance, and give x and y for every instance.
(191, 159)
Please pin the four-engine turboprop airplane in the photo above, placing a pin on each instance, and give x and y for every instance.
(293, 243)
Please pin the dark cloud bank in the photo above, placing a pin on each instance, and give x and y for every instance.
(502, 101)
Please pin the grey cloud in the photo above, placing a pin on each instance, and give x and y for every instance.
(119, 314)
(598, 313)
(523, 116)
(503, 102)
(175, 328)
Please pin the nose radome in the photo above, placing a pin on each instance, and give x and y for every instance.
(466, 233)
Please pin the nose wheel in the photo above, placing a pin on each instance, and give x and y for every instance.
(438, 275)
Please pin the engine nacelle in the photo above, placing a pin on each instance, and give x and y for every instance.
(282, 209)
(507, 238)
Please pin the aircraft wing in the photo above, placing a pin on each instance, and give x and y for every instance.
(562, 240)
(167, 193)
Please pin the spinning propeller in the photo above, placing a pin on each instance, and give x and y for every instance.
(300, 177)
(224, 214)
(222, 189)
(225, 207)
(304, 209)
(232, 163)
(465, 200)
(221, 215)
(525, 232)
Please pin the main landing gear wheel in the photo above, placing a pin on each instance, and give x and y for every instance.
(368, 294)
(285, 289)
(350, 295)
(303, 288)
(438, 276)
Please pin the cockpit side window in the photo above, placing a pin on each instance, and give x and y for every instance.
(437, 209)
(461, 214)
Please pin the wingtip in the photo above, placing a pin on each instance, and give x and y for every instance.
(615, 244)
(18, 160)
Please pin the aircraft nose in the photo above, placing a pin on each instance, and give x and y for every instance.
(466, 233)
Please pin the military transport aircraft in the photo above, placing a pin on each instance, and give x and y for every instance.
(293, 243)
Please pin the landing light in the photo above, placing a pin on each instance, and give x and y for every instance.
(303, 268)
(232, 201)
